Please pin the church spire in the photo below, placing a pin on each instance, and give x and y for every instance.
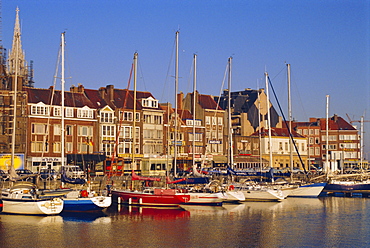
(16, 54)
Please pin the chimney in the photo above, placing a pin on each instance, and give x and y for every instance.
(102, 92)
(73, 89)
(180, 97)
(110, 92)
(81, 88)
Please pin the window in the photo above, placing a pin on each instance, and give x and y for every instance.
(84, 131)
(213, 120)
(219, 120)
(39, 146)
(69, 112)
(38, 128)
(57, 111)
(69, 130)
(106, 117)
(56, 147)
(127, 116)
(39, 110)
(150, 102)
(108, 130)
(57, 129)
(208, 120)
(147, 119)
(85, 112)
(157, 119)
(69, 147)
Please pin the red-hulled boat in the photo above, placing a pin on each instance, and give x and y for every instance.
(150, 197)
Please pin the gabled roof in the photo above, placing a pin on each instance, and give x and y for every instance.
(277, 132)
(95, 98)
(124, 98)
(72, 99)
(336, 123)
(184, 114)
(207, 102)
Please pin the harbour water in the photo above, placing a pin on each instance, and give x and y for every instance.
(295, 222)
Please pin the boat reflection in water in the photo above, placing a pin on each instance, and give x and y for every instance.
(85, 216)
(156, 213)
(30, 219)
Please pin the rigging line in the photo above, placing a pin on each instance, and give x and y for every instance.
(300, 98)
(116, 143)
(287, 126)
(142, 74)
(45, 138)
(222, 86)
(168, 70)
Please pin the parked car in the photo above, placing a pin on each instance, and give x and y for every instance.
(72, 171)
(23, 172)
(48, 174)
(4, 175)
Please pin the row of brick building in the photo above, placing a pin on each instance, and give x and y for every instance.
(99, 128)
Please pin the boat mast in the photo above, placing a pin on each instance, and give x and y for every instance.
(362, 141)
(62, 100)
(176, 90)
(259, 131)
(268, 118)
(230, 133)
(327, 167)
(194, 101)
(134, 114)
(290, 124)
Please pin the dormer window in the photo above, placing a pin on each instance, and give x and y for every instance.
(150, 103)
(69, 112)
(57, 111)
(85, 112)
(39, 109)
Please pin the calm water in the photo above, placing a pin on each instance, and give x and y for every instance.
(323, 222)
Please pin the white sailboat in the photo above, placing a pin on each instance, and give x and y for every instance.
(25, 198)
(76, 200)
(229, 192)
(199, 197)
(299, 190)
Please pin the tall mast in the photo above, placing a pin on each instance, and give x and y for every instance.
(62, 112)
(290, 123)
(230, 133)
(327, 167)
(362, 141)
(268, 117)
(194, 101)
(176, 90)
(17, 36)
(134, 117)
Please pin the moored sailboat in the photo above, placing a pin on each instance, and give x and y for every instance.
(25, 198)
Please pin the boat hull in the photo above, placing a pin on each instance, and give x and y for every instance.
(33, 207)
(201, 198)
(263, 195)
(347, 187)
(161, 197)
(90, 204)
(309, 190)
(231, 196)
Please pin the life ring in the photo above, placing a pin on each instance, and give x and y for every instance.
(84, 193)
(231, 187)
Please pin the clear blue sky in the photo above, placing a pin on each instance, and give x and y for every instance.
(327, 44)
